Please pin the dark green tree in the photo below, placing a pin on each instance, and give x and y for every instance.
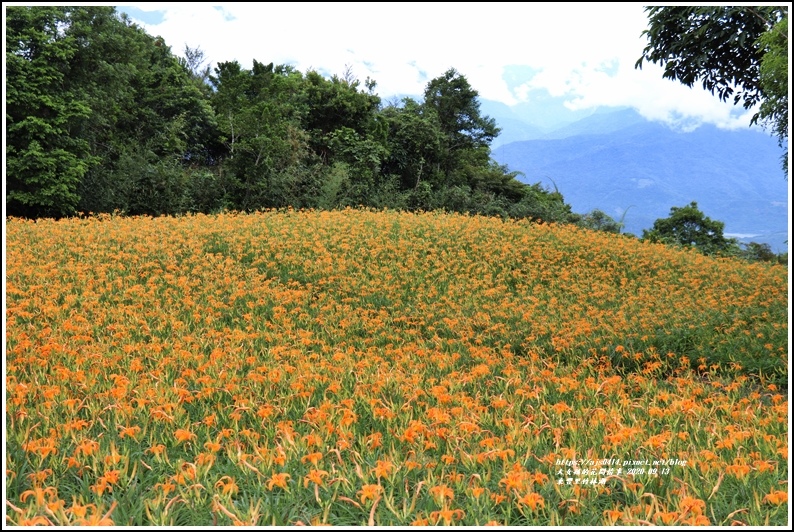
(758, 252)
(150, 122)
(347, 132)
(688, 226)
(414, 143)
(724, 48)
(101, 115)
(456, 107)
(439, 150)
(541, 204)
(45, 160)
(259, 112)
(598, 220)
(775, 83)
(195, 62)
(337, 104)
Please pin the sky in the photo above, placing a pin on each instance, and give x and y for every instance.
(581, 53)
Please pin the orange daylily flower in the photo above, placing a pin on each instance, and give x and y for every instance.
(692, 505)
(776, 497)
(448, 516)
(183, 435)
(442, 492)
(40, 494)
(314, 458)
(278, 480)
(315, 476)
(533, 500)
(227, 485)
(368, 492)
(131, 432)
(383, 468)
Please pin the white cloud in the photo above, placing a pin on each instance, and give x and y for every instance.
(582, 51)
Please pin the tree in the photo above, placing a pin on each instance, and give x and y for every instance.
(598, 220)
(193, 62)
(759, 252)
(149, 122)
(457, 110)
(725, 48)
(45, 162)
(259, 113)
(101, 115)
(346, 131)
(439, 153)
(688, 226)
(541, 204)
(414, 142)
(775, 82)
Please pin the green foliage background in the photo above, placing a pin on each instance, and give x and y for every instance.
(102, 117)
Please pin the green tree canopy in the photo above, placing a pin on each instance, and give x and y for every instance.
(414, 142)
(735, 51)
(259, 114)
(100, 115)
(44, 161)
(775, 82)
(688, 226)
(456, 107)
(598, 220)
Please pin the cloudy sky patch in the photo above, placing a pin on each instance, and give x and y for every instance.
(583, 52)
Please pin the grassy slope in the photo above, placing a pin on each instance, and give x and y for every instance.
(399, 368)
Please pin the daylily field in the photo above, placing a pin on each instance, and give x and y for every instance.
(359, 367)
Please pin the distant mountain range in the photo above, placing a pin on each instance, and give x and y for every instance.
(621, 163)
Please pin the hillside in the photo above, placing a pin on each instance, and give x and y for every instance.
(384, 368)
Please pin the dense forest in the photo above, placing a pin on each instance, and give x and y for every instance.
(103, 117)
